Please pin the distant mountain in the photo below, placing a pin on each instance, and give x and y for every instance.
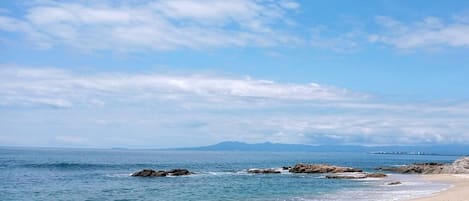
(267, 146)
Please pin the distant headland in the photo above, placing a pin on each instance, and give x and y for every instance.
(453, 149)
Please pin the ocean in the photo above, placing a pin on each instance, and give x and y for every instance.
(103, 174)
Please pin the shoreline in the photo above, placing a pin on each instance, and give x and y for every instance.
(457, 192)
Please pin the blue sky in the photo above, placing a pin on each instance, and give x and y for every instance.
(187, 73)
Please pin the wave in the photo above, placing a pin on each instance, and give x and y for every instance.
(73, 165)
(63, 165)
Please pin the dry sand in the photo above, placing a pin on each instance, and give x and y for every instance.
(458, 192)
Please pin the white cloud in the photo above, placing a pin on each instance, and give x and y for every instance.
(137, 108)
(154, 25)
(430, 32)
(22, 86)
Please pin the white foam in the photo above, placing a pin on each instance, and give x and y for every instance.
(411, 187)
(465, 176)
(118, 175)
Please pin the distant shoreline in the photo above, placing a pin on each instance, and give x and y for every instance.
(457, 192)
(414, 153)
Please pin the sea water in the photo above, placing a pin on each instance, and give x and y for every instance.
(103, 174)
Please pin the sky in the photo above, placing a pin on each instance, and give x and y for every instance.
(177, 73)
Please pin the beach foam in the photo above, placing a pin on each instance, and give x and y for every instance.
(412, 187)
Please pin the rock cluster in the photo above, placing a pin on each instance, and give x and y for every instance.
(460, 166)
(161, 173)
(321, 168)
(264, 171)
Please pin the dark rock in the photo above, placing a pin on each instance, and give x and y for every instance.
(264, 171)
(160, 173)
(179, 172)
(149, 173)
(394, 183)
(321, 168)
(376, 175)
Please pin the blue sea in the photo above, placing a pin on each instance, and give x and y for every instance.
(103, 174)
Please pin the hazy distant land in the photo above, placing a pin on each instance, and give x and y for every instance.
(268, 146)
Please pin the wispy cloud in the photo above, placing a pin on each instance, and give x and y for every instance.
(210, 108)
(430, 32)
(350, 41)
(187, 24)
(23, 86)
(154, 25)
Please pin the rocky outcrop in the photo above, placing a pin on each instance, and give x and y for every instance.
(321, 168)
(160, 173)
(416, 168)
(355, 175)
(460, 166)
(263, 171)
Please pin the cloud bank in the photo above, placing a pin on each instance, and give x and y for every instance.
(51, 106)
(59, 88)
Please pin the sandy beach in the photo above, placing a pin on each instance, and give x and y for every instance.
(458, 192)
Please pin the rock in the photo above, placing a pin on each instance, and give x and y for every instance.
(160, 173)
(354, 175)
(376, 175)
(321, 168)
(149, 173)
(462, 162)
(179, 172)
(264, 171)
(394, 183)
(286, 167)
(460, 166)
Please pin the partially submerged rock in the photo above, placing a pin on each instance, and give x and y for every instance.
(263, 171)
(355, 175)
(179, 172)
(160, 173)
(376, 175)
(149, 173)
(321, 168)
(460, 166)
(394, 183)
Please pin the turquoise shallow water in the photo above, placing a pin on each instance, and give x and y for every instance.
(92, 174)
